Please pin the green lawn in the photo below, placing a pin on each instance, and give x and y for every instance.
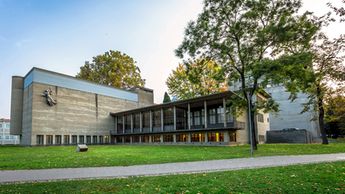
(124, 155)
(312, 178)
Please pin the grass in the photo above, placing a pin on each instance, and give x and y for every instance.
(311, 178)
(124, 155)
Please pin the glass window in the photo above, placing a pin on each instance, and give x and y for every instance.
(168, 138)
(94, 139)
(40, 139)
(74, 139)
(128, 124)
(49, 140)
(212, 114)
(183, 137)
(127, 139)
(136, 139)
(101, 139)
(229, 117)
(215, 137)
(119, 139)
(136, 121)
(88, 139)
(260, 117)
(146, 119)
(57, 139)
(81, 139)
(145, 139)
(220, 114)
(156, 120)
(156, 138)
(198, 137)
(119, 125)
(106, 139)
(66, 139)
(7, 126)
(232, 136)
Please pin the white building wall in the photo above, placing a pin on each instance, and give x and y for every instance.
(5, 137)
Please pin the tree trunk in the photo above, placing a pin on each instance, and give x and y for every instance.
(252, 115)
(321, 115)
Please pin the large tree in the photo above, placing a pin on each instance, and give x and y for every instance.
(335, 113)
(196, 78)
(247, 37)
(112, 68)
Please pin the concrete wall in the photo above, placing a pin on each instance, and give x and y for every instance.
(16, 105)
(297, 136)
(27, 116)
(76, 112)
(242, 136)
(289, 115)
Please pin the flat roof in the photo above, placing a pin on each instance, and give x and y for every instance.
(179, 102)
(44, 76)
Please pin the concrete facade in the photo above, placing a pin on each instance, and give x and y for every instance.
(78, 112)
(289, 115)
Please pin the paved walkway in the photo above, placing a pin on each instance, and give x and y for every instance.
(8, 176)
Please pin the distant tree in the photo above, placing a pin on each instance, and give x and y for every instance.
(196, 78)
(112, 68)
(166, 98)
(247, 37)
(340, 11)
(335, 113)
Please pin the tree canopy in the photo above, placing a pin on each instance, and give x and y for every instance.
(166, 98)
(196, 78)
(248, 37)
(112, 68)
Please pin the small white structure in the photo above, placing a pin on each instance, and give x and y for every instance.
(82, 148)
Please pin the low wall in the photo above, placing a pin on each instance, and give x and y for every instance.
(289, 136)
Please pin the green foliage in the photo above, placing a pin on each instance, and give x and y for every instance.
(125, 155)
(196, 78)
(113, 68)
(166, 98)
(335, 112)
(310, 178)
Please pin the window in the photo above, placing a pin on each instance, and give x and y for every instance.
(88, 139)
(136, 139)
(156, 138)
(220, 114)
(168, 118)
(168, 138)
(145, 139)
(66, 139)
(232, 136)
(94, 139)
(260, 117)
(58, 139)
(7, 126)
(128, 126)
(49, 140)
(119, 139)
(212, 116)
(196, 118)
(136, 122)
(101, 139)
(229, 117)
(74, 139)
(0, 125)
(106, 139)
(127, 139)
(215, 137)
(198, 137)
(40, 139)
(183, 137)
(81, 139)
(119, 125)
(146, 121)
(156, 120)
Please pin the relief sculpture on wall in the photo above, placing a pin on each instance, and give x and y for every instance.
(48, 94)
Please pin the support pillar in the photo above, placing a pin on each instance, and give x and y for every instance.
(150, 121)
(115, 122)
(188, 114)
(205, 114)
(206, 137)
(162, 120)
(174, 118)
(123, 124)
(141, 122)
(189, 138)
(174, 138)
(132, 123)
(224, 112)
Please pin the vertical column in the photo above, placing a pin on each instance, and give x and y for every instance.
(189, 138)
(188, 114)
(206, 137)
(174, 118)
(44, 139)
(130, 139)
(115, 127)
(132, 123)
(123, 124)
(78, 141)
(150, 138)
(70, 138)
(224, 113)
(162, 120)
(226, 137)
(205, 108)
(62, 139)
(174, 138)
(150, 121)
(161, 138)
(53, 139)
(141, 122)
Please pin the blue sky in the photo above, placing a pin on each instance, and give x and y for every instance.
(60, 35)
